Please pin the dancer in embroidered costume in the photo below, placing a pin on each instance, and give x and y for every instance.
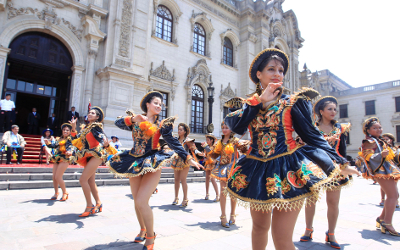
(181, 168)
(90, 153)
(209, 165)
(226, 153)
(376, 161)
(335, 134)
(143, 163)
(390, 140)
(279, 174)
(61, 159)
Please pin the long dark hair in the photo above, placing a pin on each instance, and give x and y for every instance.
(321, 108)
(264, 64)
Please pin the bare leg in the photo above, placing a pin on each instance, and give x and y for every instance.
(48, 154)
(232, 218)
(93, 189)
(382, 195)
(214, 183)
(177, 178)
(222, 202)
(184, 174)
(282, 228)
(389, 187)
(259, 232)
(88, 172)
(135, 184)
(310, 213)
(332, 200)
(208, 177)
(148, 184)
(62, 166)
(55, 183)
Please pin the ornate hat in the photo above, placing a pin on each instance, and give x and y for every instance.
(114, 136)
(263, 55)
(47, 129)
(101, 116)
(321, 101)
(147, 97)
(390, 136)
(211, 136)
(368, 121)
(186, 128)
(66, 125)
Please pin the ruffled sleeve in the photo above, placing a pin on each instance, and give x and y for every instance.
(303, 125)
(166, 128)
(124, 123)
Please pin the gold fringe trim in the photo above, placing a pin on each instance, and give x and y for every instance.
(276, 156)
(344, 185)
(59, 159)
(381, 176)
(225, 179)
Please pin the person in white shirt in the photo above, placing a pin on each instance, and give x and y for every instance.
(13, 140)
(47, 134)
(6, 107)
(115, 142)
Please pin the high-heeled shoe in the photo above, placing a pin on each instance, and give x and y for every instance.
(378, 223)
(86, 214)
(382, 203)
(64, 197)
(207, 197)
(305, 238)
(184, 204)
(176, 201)
(54, 197)
(232, 222)
(333, 244)
(226, 225)
(140, 239)
(216, 198)
(150, 247)
(384, 229)
(98, 208)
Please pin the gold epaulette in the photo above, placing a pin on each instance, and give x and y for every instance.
(307, 92)
(235, 102)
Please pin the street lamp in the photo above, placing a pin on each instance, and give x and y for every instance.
(210, 90)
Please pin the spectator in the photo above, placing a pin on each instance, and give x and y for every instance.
(115, 142)
(14, 141)
(73, 114)
(7, 106)
(52, 123)
(33, 122)
(47, 134)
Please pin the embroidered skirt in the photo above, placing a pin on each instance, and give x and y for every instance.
(177, 163)
(283, 183)
(83, 156)
(221, 172)
(125, 164)
(59, 158)
(388, 170)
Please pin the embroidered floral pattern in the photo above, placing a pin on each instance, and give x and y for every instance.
(273, 184)
(294, 180)
(238, 112)
(285, 186)
(239, 180)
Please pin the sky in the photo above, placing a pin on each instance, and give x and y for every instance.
(357, 40)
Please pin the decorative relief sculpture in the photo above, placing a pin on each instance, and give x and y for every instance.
(225, 95)
(197, 74)
(126, 28)
(56, 3)
(162, 72)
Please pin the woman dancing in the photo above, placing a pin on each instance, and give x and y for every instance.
(226, 153)
(278, 174)
(335, 134)
(47, 134)
(181, 168)
(143, 163)
(376, 162)
(62, 158)
(209, 165)
(90, 144)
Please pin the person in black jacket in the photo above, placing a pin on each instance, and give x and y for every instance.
(33, 122)
(52, 123)
(72, 114)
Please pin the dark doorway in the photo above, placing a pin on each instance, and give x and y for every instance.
(25, 103)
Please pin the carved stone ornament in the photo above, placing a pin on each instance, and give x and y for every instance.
(56, 3)
(126, 29)
(162, 72)
(201, 74)
(226, 94)
(48, 14)
(252, 37)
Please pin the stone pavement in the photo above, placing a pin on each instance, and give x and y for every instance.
(29, 220)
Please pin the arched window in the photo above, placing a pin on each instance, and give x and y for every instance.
(196, 125)
(199, 39)
(228, 52)
(164, 23)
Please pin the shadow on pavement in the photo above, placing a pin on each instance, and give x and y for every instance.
(65, 219)
(213, 226)
(203, 201)
(376, 235)
(171, 207)
(316, 245)
(116, 245)
(42, 201)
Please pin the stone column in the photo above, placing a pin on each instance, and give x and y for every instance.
(3, 60)
(90, 77)
(76, 90)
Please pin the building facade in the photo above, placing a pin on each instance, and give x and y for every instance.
(55, 54)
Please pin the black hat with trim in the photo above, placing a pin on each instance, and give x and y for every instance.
(264, 55)
(66, 125)
(147, 97)
(369, 122)
(321, 101)
(101, 113)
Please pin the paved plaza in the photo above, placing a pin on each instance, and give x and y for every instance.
(29, 220)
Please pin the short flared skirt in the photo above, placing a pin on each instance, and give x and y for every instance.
(177, 163)
(283, 183)
(209, 167)
(59, 158)
(125, 164)
(388, 170)
(83, 156)
(221, 171)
